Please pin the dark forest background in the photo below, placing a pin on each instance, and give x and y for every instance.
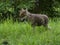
(10, 8)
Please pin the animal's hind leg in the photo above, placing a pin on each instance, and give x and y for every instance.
(34, 25)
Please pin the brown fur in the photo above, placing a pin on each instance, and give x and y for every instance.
(35, 19)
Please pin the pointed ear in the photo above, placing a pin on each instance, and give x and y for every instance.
(26, 9)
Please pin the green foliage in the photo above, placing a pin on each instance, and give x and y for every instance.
(23, 33)
(47, 7)
(12, 7)
(6, 5)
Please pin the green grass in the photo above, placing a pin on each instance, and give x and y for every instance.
(23, 33)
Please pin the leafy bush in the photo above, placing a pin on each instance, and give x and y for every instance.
(11, 7)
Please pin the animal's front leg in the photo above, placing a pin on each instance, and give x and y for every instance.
(23, 18)
(33, 27)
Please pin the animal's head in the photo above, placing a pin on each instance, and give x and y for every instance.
(22, 12)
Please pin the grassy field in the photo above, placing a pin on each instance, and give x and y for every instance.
(23, 33)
